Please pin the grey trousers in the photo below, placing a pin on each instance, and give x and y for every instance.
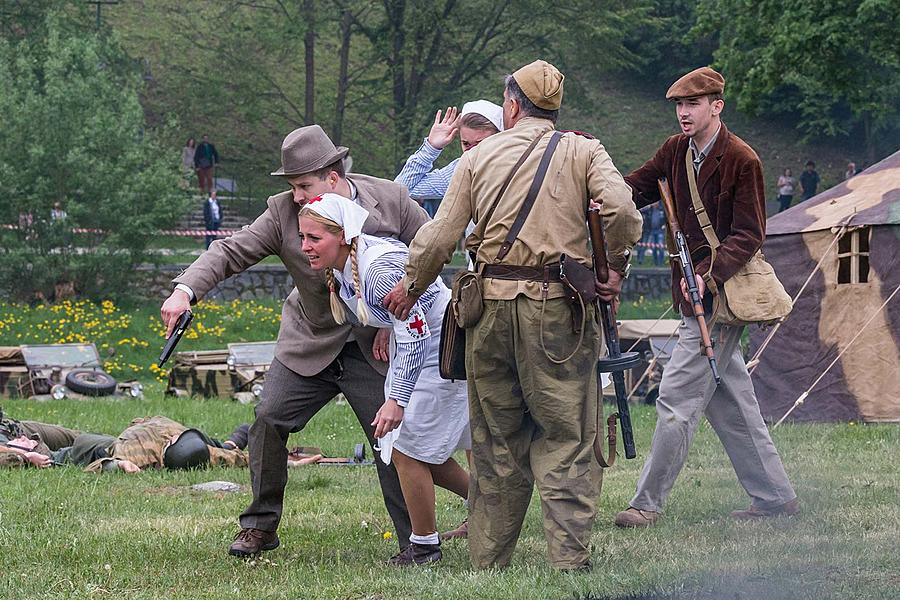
(686, 392)
(288, 402)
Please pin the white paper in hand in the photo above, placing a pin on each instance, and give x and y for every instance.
(385, 445)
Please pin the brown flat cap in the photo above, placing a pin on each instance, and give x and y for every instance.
(542, 83)
(308, 149)
(698, 82)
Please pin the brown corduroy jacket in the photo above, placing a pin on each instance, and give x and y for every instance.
(732, 190)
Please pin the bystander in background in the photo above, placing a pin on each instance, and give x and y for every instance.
(809, 180)
(787, 184)
(212, 217)
(205, 160)
(187, 161)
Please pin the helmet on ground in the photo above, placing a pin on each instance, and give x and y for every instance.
(189, 451)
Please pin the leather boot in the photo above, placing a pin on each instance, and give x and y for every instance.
(790, 508)
(249, 542)
(417, 554)
(635, 517)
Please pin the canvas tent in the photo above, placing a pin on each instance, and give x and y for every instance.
(858, 273)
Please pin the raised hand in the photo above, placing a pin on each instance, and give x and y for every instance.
(444, 130)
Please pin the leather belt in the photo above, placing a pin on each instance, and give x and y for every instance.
(522, 273)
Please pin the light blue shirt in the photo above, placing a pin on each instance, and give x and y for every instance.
(424, 182)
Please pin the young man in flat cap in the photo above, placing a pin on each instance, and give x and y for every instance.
(531, 376)
(315, 358)
(732, 190)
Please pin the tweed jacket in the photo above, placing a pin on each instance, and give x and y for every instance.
(732, 190)
(309, 339)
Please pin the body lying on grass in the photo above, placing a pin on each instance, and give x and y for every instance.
(151, 442)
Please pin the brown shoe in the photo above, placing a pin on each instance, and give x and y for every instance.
(462, 531)
(635, 517)
(417, 554)
(787, 509)
(249, 542)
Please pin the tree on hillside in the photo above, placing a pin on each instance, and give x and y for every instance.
(74, 134)
(381, 68)
(833, 63)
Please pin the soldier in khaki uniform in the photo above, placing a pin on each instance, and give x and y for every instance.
(42, 439)
(533, 414)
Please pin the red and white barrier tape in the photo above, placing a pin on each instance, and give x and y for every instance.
(173, 232)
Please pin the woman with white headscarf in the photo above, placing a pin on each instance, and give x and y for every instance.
(424, 418)
(476, 121)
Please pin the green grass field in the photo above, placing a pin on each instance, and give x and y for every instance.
(65, 533)
(69, 534)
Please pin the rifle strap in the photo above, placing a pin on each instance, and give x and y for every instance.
(610, 434)
(529, 198)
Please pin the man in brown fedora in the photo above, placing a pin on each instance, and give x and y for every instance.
(708, 165)
(532, 384)
(315, 358)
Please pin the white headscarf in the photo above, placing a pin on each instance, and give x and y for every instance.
(342, 211)
(488, 110)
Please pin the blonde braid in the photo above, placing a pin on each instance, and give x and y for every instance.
(337, 307)
(361, 311)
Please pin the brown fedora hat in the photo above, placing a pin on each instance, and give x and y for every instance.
(308, 149)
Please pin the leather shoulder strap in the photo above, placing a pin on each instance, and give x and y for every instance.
(530, 197)
(483, 223)
(700, 212)
(699, 209)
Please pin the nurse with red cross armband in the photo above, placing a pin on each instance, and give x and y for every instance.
(424, 419)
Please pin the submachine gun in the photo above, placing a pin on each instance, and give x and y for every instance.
(616, 362)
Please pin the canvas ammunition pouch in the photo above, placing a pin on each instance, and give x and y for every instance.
(753, 294)
(466, 298)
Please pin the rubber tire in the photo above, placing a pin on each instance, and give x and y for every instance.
(359, 453)
(91, 382)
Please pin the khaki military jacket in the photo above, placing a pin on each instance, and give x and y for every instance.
(309, 339)
(580, 170)
(146, 440)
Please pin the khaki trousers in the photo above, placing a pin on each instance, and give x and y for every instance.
(532, 421)
(54, 436)
(686, 392)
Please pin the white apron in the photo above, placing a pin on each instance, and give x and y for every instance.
(436, 420)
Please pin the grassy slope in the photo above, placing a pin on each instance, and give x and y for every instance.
(633, 119)
(70, 534)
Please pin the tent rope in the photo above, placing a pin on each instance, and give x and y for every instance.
(650, 329)
(802, 398)
(754, 362)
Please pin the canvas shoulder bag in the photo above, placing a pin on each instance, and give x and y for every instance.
(753, 294)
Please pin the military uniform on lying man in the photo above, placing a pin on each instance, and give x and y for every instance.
(24, 443)
(154, 442)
